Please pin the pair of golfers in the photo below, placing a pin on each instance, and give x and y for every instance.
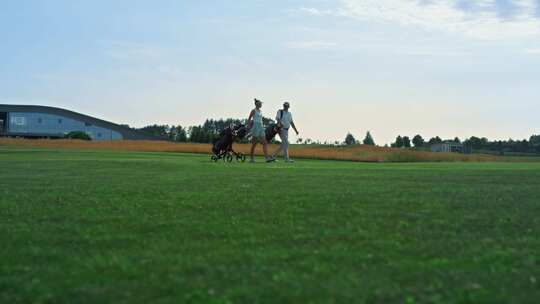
(258, 134)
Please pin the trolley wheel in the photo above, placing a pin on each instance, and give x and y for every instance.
(229, 158)
(240, 157)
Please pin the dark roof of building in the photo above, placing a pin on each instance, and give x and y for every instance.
(126, 132)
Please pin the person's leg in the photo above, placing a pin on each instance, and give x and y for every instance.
(285, 144)
(280, 148)
(253, 145)
(265, 147)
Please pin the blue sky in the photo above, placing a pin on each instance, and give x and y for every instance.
(434, 67)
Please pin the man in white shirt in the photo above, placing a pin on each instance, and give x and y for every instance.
(285, 121)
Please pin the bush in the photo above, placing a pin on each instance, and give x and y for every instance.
(78, 135)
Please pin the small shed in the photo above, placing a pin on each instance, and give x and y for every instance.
(448, 147)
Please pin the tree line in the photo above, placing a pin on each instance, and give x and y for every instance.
(209, 131)
(480, 144)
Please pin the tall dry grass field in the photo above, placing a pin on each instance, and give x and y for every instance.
(353, 153)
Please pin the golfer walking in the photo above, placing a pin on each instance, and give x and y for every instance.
(285, 121)
(255, 124)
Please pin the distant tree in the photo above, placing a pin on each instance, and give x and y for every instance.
(182, 135)
(368, 140)
(156, 130)
(534, 140)
(172, 133)
(349, 139)
(300, 141)
(267, 121)
(475, 142)
(196, 134)
(457, 140)
(406, 142)
(435, 140)
(398, 143)
(523, 146)
(418, 141)
(178, 134)
(499, 146)
(210, 130)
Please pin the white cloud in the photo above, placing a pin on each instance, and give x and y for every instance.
(480, 20)
(426, 52)
(312, 45)
(123, 50)
(533, 51)
(312, 11)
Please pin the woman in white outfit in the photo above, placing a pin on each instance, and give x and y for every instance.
(258, 135)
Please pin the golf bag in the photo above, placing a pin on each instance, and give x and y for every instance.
(223, 145)
(271, 131)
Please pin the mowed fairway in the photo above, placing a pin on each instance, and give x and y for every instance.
(128, 227)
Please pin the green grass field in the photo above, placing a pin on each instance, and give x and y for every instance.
(115, 227)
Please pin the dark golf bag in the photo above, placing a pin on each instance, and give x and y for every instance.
(271, 131)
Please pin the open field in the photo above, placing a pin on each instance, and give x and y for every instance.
(348, 153)
(132, 227)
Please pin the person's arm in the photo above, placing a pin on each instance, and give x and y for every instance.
(250, 119)
(294, 127)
